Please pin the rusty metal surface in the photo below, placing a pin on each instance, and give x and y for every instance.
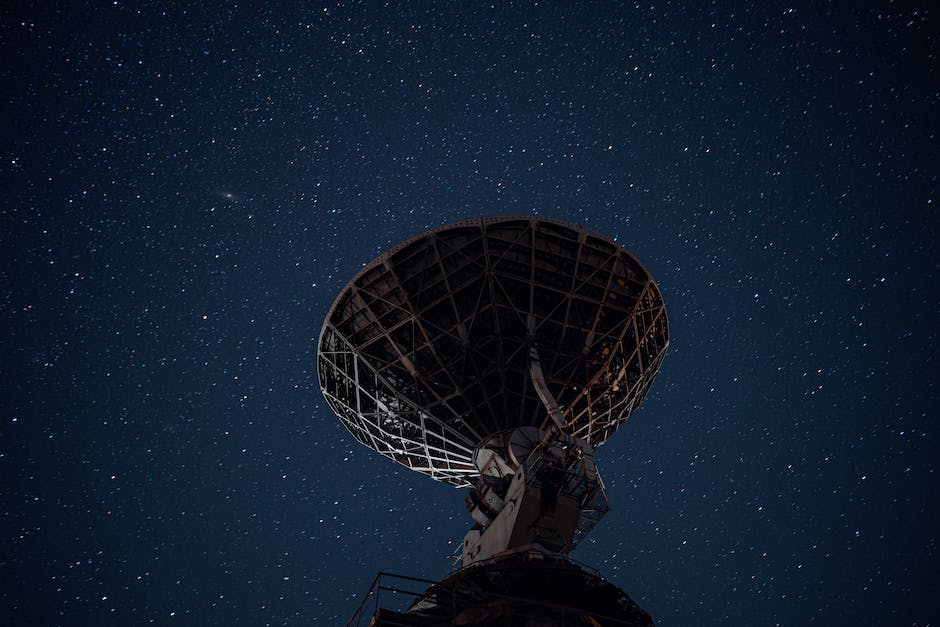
(425, 352)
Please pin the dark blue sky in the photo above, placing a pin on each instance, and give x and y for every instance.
(187, 190)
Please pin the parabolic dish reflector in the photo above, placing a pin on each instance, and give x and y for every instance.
(426, 351)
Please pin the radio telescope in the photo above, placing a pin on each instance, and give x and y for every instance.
(497, 354)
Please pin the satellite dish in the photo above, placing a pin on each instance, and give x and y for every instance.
(498, 353)
(428, 351)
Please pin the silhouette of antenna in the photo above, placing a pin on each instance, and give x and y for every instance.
(497, 354)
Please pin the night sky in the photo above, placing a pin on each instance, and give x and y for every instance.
(187, 190)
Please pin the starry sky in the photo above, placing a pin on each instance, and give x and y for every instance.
(189, 186)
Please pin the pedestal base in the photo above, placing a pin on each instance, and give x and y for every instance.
(525, 588)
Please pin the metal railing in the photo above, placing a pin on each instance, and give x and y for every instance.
(397, 595)
(578, 481)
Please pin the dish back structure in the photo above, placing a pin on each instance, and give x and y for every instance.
(427, 351)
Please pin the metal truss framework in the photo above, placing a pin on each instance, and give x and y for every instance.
(425, 353)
